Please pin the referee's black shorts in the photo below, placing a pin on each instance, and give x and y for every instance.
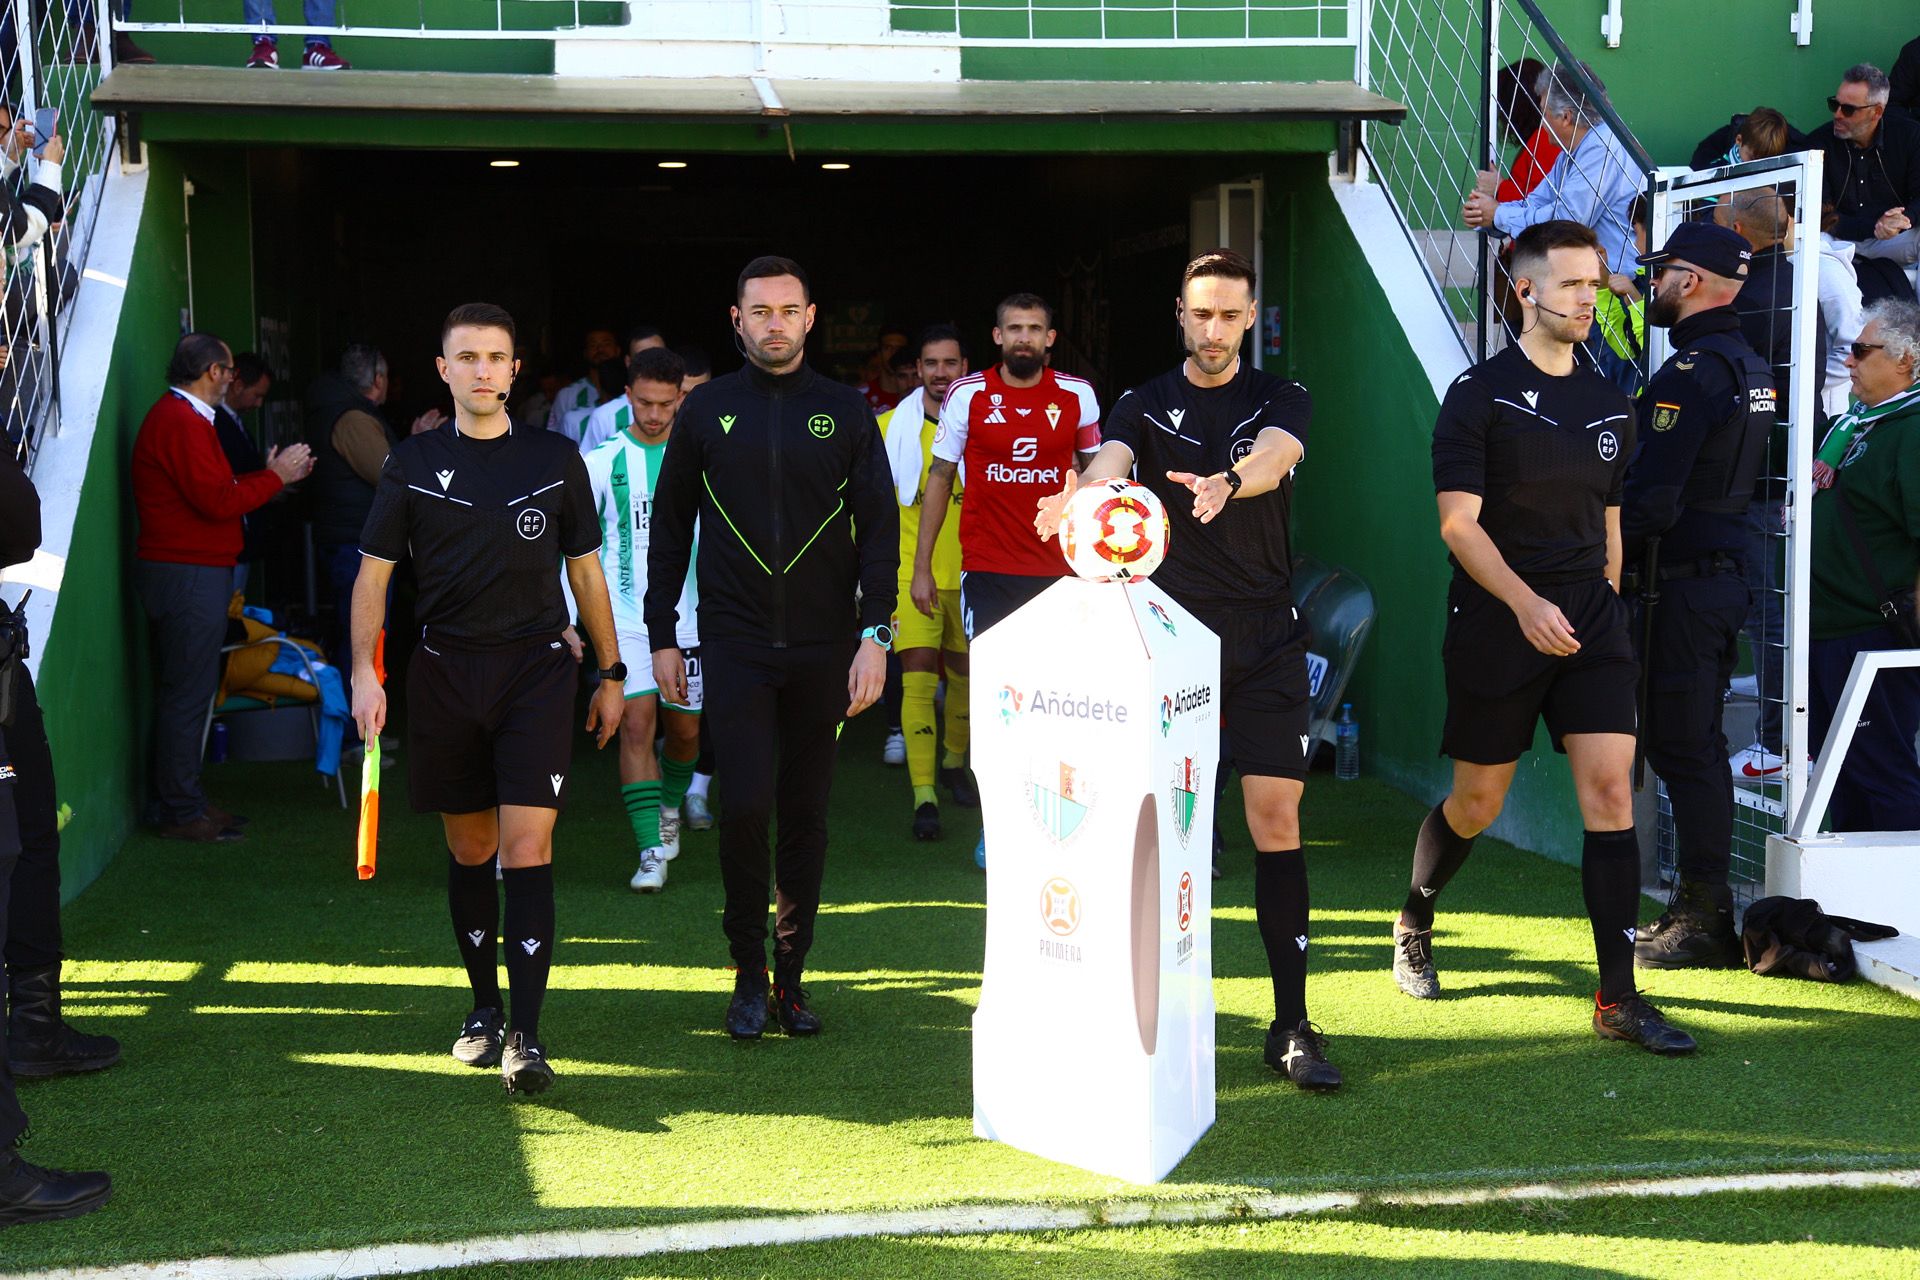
(489, 727)
(1265, 706)
(1499, 685)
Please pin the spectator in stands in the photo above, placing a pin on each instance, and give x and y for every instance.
(1903, 82)
(248, 388)
(266, 48)
(1593, 182)
(25, 217)
(190, 504)
(699, 367)
(1840, 306)
(1866, 553)
(1758, 135)
(599, 347)
(86, 47)
(1520, 117)
(350, 442)
(1872, 173)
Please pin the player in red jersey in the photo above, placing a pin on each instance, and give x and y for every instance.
(1018, 428)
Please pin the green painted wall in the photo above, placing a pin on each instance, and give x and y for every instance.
(1365, 501)
(1682, 69)
(93, 678)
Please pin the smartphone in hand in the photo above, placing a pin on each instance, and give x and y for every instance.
(46, 124)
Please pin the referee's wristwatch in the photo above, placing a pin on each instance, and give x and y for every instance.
(1233, 479)
(881, 635)
(617, 672)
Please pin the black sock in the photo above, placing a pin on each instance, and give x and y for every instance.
(1610, 882)
(1438, 853)
(528, 931)
(475, 905)
(1280, 907)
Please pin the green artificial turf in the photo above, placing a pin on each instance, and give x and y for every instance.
(1783, 1236)
(287, 1086)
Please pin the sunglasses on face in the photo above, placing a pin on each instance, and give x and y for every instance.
(1847, 109)
(1861, 350)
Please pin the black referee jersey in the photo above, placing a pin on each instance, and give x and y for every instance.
(1244, 557)
(1547, 456)
(486, 522)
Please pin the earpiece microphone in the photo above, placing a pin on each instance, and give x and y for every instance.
(1530, 300)
(501, 394)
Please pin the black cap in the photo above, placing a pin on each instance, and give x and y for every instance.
(1709, 246)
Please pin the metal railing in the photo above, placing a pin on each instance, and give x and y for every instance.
(971, 23)
(52, 59)
(1471, 73)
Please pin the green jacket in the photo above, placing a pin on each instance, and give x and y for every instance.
(1881, 476)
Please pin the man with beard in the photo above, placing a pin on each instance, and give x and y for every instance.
(1529, 455)
(1703, 427)
(1218, 441)
(927, 640)
(1020, 428)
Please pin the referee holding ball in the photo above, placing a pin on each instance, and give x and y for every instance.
(487, 513)
(1529, 458)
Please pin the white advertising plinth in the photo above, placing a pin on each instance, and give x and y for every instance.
(1096, 740)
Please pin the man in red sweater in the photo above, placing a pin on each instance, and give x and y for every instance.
(190, 505)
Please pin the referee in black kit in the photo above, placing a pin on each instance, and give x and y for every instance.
(787, 475)
(1217, 440)
(1529, 455)
(487, 513)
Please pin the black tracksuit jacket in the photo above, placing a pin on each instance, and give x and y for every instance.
(789, 479)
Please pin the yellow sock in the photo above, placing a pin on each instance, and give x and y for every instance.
(916, 721)
(959, 728)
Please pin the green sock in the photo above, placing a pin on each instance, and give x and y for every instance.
(643, 811)
(924, 795)
(675, 775)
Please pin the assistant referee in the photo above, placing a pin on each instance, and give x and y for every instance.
(1529, 456)
(787, 475)
(1218, 441)
(487, 512)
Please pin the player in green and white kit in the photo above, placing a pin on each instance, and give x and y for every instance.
(623, 471)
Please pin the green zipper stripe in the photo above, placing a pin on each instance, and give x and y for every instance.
(736, 528)
(838, 507)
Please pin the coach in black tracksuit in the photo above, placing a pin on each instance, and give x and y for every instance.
(788, 478)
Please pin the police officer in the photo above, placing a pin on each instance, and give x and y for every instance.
(1704, 422)
(788, 476)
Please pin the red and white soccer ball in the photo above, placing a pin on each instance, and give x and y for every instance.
(1114, 531)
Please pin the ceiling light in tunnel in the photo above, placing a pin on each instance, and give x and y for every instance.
(503, 164)
(836, 166)
(673, 164)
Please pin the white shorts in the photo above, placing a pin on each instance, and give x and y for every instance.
(640, 672)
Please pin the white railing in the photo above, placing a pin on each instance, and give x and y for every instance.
(965, 23)
(1846, 718)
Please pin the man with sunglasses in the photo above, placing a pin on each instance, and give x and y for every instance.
(1704, 424)
(190, 505)
(1872, 173)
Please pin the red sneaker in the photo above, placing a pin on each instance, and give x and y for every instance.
(266, 54)
(321, 57)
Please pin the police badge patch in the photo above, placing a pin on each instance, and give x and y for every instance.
(1665, 415)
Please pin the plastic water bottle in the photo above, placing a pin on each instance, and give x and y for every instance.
(217, 743)
(1346, 745)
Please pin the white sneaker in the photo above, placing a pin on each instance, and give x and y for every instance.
(1756, 764)
(698, 815)
(1747, 687)
(669, 833)
(895, 751)
(652, 875)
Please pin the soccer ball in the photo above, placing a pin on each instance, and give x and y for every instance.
(1114, 531)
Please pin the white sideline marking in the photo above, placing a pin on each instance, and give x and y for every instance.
(960, 1220)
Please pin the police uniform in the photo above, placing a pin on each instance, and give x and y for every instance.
(1704, 424)
(1546, 455)
(1235, 572)
(491, 688)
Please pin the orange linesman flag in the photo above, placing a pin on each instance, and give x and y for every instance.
(370, 779)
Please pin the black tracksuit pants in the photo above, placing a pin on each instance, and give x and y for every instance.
(13, 1121)
(1696, 635)
(33, 928)
(776, 716)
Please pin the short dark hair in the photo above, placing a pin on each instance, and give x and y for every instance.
(362, 364)
(886, 329)
(942, 332)
(696, 359)
(1532, 246)
(1878, 86)
(1021, 302)
(193, 355)
(656, 364)
(768, 266)
(249, 367)
(480, 315)
(641, 332)
(1224, 263)
(1637, 212)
